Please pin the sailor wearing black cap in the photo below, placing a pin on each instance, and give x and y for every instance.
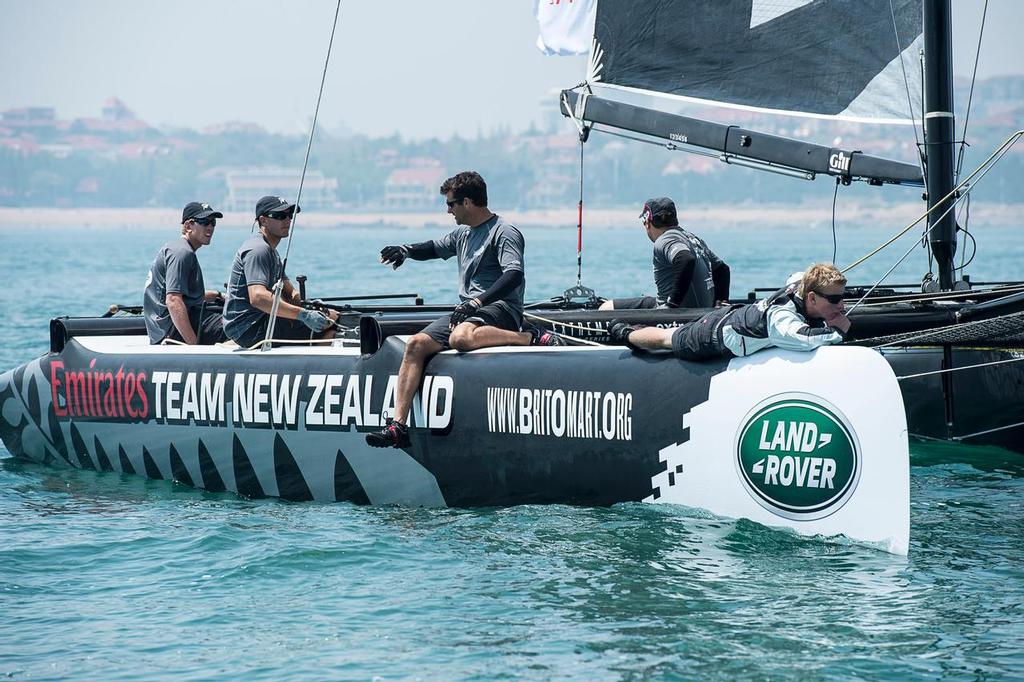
(175, 300)
(687, 273)
(256, 269)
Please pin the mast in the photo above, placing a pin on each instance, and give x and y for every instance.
(938, 133)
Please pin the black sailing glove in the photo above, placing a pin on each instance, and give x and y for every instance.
(394, 255)
(464, 310)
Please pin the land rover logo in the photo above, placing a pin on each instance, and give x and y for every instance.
(798, 457)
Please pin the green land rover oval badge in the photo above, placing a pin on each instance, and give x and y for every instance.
(798, 457)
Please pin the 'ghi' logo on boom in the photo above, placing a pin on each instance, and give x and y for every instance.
(839, 162)
(798, 457)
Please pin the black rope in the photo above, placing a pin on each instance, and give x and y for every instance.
(967, 233)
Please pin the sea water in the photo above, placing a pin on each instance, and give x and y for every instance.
(104, 576)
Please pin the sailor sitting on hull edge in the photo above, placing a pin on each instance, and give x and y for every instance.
(798, 317)
(492, 282)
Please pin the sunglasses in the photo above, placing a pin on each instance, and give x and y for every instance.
(279, 216)
(205, 222)
(834, 299)
(454, 202)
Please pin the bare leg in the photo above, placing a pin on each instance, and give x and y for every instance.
(652, 338)
(470, 336)
(418, 350)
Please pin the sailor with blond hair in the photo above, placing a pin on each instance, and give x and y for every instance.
(802, 316)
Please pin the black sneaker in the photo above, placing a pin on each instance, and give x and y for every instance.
(542, 337)
(619, 331)
(393, 435)
(546, 338)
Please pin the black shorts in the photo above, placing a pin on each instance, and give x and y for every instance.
(489, 315)
(209, 330)
(702, 338)
(640, 303)
(284, 328)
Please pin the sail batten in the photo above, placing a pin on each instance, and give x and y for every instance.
(848, 115)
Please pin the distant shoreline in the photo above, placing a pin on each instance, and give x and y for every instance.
(703, 218)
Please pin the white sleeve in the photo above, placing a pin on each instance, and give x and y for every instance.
(787, 329)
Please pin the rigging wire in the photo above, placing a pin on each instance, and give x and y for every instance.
(957, 369)
(974, 243)
(982, 433)
(880, 301)
(835, 243)
(584, 132)
(906, 85)
(928, 255)
(671, 146)
(579, 220)
(279, 285)
(983, 168)
(970, 96)
(987, 165)
(964, 145)
(566, 325)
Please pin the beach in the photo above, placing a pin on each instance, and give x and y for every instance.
(704, 218)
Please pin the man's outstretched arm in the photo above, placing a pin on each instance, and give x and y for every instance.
(396, 255)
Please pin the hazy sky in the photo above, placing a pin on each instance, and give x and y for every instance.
(418, 67)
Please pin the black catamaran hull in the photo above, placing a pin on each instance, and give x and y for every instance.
(786, 439)
(981, 403)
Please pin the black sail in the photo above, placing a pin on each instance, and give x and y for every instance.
(829, 58)
(845, 59)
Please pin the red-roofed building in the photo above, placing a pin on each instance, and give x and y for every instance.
(27, 146)
(116, 110)
(41, 120)
(87, 143)
(103, 125)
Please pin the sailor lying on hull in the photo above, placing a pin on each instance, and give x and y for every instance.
(687, 272)
(491, 287)
(803, 319)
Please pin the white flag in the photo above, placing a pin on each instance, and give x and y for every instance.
(566, 26)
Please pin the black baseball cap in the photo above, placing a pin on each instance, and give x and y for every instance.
(661, 211)
(196, 209)
(272, 204)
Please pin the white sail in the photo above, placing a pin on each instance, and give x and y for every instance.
(566, 26)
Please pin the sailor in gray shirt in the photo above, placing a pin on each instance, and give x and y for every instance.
(175, 303)
(254, 272)
(687, 273)
(491, 285)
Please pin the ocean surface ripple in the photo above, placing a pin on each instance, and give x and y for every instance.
(114, 577)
